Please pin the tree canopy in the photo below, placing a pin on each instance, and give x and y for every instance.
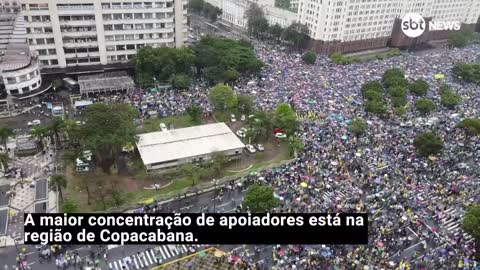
(5, 133)
(216, 55)
(425, 105)
(297, 34)
(471, 126)
(469, 73)
(394, 77)
(357, 126)
(245, 103)
(180, 81)
(309, 57)
(428, 144)
(460, 38)
(448, 98)
(162, 64)
(195, 113)
(419, 87)
(259, 199)
(285, 118)
(471, 221)
(107, 128)
(222, 97)
(205, 9)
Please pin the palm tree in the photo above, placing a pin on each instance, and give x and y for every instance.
(40, 133)
(56, 127)
(5, 132)
(59, 182)
(4, 161)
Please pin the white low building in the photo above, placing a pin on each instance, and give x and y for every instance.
(166, 150)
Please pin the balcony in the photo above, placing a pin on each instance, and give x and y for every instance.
(80, 34)
(85, 44)
(78, 23)
(82, 55)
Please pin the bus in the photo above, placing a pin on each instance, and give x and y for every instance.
(70, 83)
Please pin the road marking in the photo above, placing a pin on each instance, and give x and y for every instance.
(227, 203)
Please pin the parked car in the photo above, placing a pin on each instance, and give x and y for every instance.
(250, 148)
(163, 127)
(233, 118)
(36, 122)
(259, 147)
(280, 135)
(278, 130)
(243, 117)
(240, 133)
(82, 169)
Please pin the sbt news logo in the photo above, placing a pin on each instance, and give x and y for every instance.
(413, 25)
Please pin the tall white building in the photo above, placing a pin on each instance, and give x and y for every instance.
(234, 12)
(68, 33)
(19, 67)
(362, 24)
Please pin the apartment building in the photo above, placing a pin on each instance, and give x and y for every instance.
(19, 66)
(9, 6)
(69, 33)
(353, 25)
(234, 12)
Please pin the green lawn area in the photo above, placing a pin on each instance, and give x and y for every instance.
(153, 124)
(175, 187)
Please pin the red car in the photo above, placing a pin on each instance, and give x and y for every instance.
(278, 130)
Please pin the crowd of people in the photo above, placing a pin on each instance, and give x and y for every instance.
(415, 204)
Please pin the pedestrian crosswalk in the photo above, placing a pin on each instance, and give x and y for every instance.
(452, 224)
(152, 256)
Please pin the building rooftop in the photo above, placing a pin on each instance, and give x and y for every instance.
(14, 49)
(162, 146)
(105, 82)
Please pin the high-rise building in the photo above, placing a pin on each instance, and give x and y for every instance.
(19, 67)
(352, 25)
(69, 33)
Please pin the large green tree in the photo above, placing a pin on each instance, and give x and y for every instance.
(259, 199)
(448, 98)
(262, 123)
(59, 183)
(471, 126)
(215, 56)
(471, 224)
(285, 118)
(419, 87)
(309, 57)
(223, 97)
(469, 73)
(357, 126)
(180, 81)
(5, 133)
(257, 24)
(41, 133)
(275, 31)
(161, 64)
(460, 38)
(107, 128)
(245, 103)
(425, 105)
(195, 113)
(428, 144)
(394, 77)
(4, 159)
(296, 34)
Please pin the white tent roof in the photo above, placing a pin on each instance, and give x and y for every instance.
(162, 146)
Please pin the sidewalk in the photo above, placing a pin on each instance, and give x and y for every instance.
(9, 114)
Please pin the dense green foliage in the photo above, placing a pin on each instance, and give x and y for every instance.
(107, 128)
(180, 81)
(257, 24)
(309, 57)
(245, 103)
(220, 57)
(162, 64)
(448, 98)
(373, 97)
(425, 105)
(471, 126)
(195, 113)
(223, 97)
(471, 221)
(428, 144)
(419, 87)
(259, 199)
(467, 72)
(394, 78)
(460, 38)
(285, 118)
(357, 126)
(283, 4)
